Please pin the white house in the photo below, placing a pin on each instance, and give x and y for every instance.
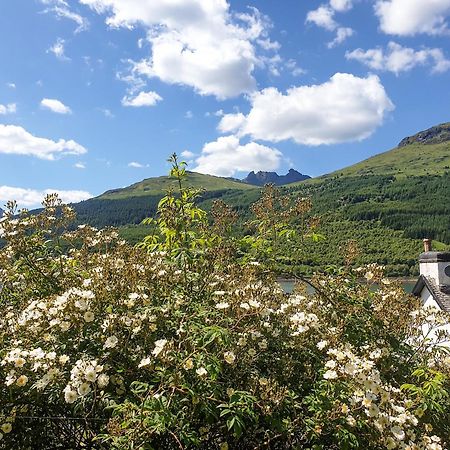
(433, 285)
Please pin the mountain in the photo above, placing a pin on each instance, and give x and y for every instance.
(1, 212)
(261, 178)
(425, 153)
(159, 185)
(386, 204)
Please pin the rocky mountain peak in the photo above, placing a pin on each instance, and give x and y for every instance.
(261, 178)
(434, 135)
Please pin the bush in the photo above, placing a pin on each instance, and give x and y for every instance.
(185, 343)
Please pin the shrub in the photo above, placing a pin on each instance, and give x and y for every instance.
(182, 343)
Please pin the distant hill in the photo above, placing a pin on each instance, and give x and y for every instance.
(1, 212)
(386, 203)
(425, 153)
(159, 185)
(261, 178)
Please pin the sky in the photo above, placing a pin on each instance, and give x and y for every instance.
(96, 94)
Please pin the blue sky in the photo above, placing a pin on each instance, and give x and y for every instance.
(96, 94)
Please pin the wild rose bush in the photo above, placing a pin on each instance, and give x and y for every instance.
(181, 344)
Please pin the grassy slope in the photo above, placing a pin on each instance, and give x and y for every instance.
(386, 203)
(157, 186)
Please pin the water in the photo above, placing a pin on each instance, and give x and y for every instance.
(288, 285)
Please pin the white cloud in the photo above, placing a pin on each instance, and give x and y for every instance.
(15, 140)
(341, 5)
(346, 108)
(231, 122)
(226, 156)
(188, 114)
(11, 85)
(142, 99)
(187, 154)
(196, 43)
(62, 11)
(27, 198)
(79, 165)
(58, 50)
(409, 17)
(323, 17)
(55, 105)
(10, 108)
(137, 165)
(342, 33)
(398, 59)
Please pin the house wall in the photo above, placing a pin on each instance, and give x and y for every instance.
(436, 271)
(430, 303)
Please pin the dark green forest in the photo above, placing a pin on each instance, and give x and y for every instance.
(385, 215)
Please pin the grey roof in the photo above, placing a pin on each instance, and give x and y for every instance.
(433, 257)
(440, 295)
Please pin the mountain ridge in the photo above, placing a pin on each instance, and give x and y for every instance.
(261, 178)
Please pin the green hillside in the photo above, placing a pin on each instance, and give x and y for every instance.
(426, 153)
(159, 185)
(387, 204)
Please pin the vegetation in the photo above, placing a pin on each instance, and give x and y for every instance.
(187, 341)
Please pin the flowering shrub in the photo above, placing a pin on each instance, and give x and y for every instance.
(180, 344)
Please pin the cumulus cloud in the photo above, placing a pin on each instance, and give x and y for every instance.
(398, 59)
(409, 17)
(10, 108)
(346, 108)
(341, 5)
(231, 122)
(342, 33)
(27, 198)
(142, 99)
(196, 43)
(226, 156)
(323, 17)
(55, 106)
(187, 154)
(15, 140)
(58, 50)
(79, 165)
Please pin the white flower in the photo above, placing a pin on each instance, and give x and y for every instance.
(84, 389)
(22, 380)
(223, 305)
(398, 433)
(159, 345)
(330, 375)
(81, 304)
(70, 396)
(351, 421)
(331, 364)
(245, 305)
(103, 380)
(6, 428)
(63, 359)
(144, 362)
(229, 357)
(90, 374)
(201, 371)
(322, 344)
(19, 362)
(88, 316)
(219, 293)
(64, 325)
(111, 342)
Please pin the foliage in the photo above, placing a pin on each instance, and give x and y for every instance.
(181, 343)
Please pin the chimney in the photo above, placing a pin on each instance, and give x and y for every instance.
(435, 265)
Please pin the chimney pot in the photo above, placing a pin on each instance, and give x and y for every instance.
(427, 245)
